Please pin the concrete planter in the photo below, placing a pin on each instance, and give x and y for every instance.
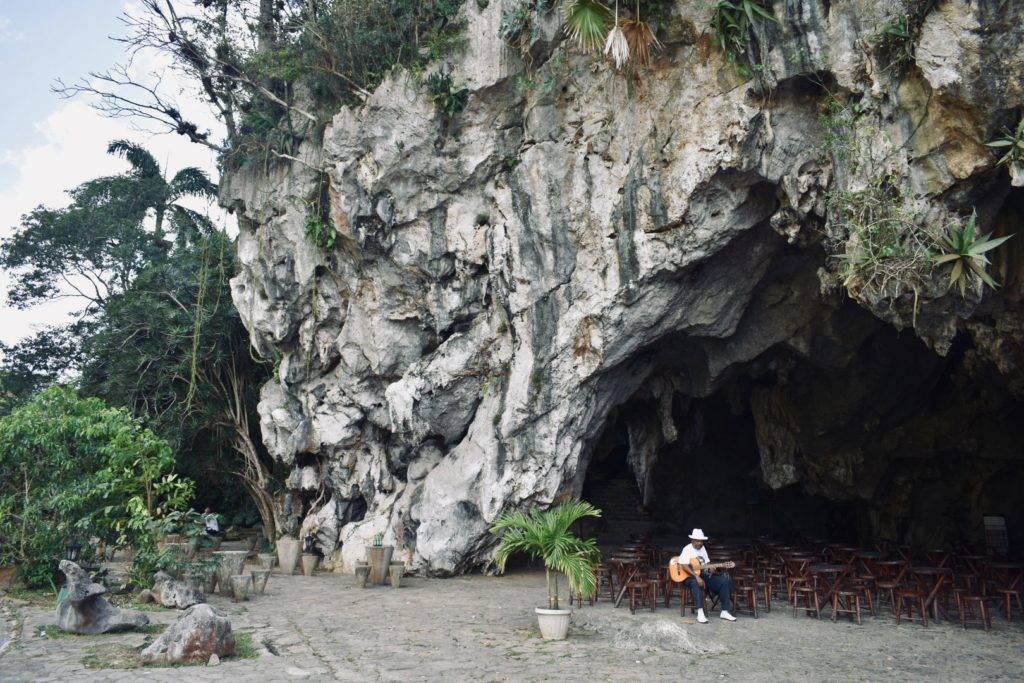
(240, 587)
(287, 554)
(554, 623)
(267, 560)
(309, 562)
(362, 575)
(379, 559)
(259, 580)
(229, 563)
(395, 572)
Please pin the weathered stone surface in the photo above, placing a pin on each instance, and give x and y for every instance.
(507, 283)
(200, 632)
(171, 592)
(85, 610)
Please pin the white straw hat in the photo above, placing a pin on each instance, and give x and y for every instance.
(698, 535)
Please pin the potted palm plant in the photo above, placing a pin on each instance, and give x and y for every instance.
(546, 535)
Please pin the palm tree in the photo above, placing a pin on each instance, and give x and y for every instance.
(546, 534)
(161, 195)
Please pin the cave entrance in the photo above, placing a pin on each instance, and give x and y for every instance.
(702, 469)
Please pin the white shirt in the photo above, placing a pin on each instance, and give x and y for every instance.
(689, 552)
(211, 522)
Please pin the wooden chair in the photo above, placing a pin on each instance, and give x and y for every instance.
(847, 601)
(973, 609)
(809, 596)
(908, 597)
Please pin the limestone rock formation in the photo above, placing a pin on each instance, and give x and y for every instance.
(171, 592)
(198, 634)
(643, 261)
(85, 610)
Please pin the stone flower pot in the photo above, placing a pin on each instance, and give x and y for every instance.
(259, 580)
(309, 562)
(379, 559)
(554, 623)
(267, 560)
(240, 587)
(287, 554)
(230, 563)
(362, 575)
(395, 572)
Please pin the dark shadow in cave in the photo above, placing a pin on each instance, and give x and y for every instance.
(892, 443)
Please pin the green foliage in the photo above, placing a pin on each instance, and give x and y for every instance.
(338, 51)
(320, 231)
(72, 468)
(965, 249)
(733, 22)
(886, 250)
(449, 98)
(837, 119)
(896, 42)
(546, 535)
(1013, 144)
(587, 22)
(93, 248)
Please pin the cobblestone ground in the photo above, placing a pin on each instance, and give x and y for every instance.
(482, 629)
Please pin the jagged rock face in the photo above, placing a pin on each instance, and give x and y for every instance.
(506, 281)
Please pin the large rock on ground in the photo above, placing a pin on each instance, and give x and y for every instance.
(85, 610)
(170, 592)
(200, 631)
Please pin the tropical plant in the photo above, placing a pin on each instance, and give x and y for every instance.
(961, 246)
(449, 98)
(896, 42)
(72, 469)
(161, 195)
(321, 231)
(1013, 143)
(587, 22)
(546, 535)
(616, 46)
(733, 22)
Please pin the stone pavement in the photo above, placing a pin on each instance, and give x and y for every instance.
(482, 628)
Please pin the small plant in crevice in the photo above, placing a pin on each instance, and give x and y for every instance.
(1013, 156)
(896, 41)
(837, 118)
(447, 96)
(320, 231)
(626, 30)
(964, 249)
(733, 23)
(886, 250)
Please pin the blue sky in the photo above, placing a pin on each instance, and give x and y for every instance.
(40, 41)
(49, 145)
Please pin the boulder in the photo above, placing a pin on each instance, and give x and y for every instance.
(199, 633)
(85, 610)
(170, 592)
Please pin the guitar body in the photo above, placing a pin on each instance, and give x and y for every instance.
(680, 572)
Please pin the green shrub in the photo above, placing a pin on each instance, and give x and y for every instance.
(447, 96)
(733, 23)
(73, 469)
(896, 42)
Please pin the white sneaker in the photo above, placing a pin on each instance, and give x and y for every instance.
(728, 617)
(701, 619)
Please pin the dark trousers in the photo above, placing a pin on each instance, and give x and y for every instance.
(717, 584)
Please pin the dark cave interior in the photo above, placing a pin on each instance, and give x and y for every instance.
(884, 441)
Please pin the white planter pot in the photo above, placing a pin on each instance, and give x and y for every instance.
(554, 623)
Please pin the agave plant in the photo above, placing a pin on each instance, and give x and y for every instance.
(588, 23)
(731, 23)
(546, 534)
(1013, 143)
(963, 247)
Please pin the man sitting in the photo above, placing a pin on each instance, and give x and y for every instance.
(717, 583)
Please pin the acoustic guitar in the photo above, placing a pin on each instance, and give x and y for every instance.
(681, 572)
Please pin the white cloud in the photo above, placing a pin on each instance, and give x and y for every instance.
(73, 150)
(9, 34)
